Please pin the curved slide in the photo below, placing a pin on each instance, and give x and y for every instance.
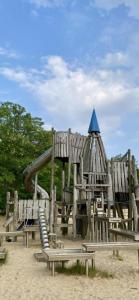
(33, 168)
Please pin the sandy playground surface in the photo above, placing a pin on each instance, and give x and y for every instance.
(22, 277)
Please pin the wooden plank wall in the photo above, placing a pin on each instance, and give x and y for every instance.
(68, 145)
(77, 142)
(61, 145)
(120, 177)
(28, 209)
(94, 160)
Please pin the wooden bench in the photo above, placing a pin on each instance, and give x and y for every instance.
(92, 247)
(14, 234)
(124, 233)
(32, 229)
(63, 255)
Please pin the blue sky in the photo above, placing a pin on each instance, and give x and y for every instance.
(61, 58)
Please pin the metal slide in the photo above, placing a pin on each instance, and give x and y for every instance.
(33, 168)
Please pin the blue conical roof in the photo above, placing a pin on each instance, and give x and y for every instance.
(93, 127)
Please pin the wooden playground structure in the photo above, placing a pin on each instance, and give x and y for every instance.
(97, 195)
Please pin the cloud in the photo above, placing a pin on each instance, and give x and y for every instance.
(17, 75)
(67, 94)
(116, 59)
(47, 3)
(132, 5)
(8, 53)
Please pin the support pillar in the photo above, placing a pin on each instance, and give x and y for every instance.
(74, 199)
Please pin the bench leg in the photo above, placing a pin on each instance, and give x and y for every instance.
(117, 253)
(27, 239)
(77, 262)
(138, 260)
(86, 266)
(24, 240)
(48, 265)
(1, 241)
(53, 268)
(93, 262)
(33, 235)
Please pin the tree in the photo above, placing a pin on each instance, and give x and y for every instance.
(22, 139)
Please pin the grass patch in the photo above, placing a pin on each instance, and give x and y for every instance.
(117, 257)
(120, 258)
(79, 269)
(4, 260)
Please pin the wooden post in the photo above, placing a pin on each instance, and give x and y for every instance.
(129, 191)
(7, 211)
(110, 193)
(113, 190)
(54, 210)
(15, 216)
(136, 196)
(136, 183)
(63, 194)
(138, 260)
(135, 212)
(69, 162)
(63, 181)
(52, 185)
(53, 268)
(81, 170)
(7, 208)
(89, 231)
(87, 267)
(74, 200)
(63, 200)
(35, 187)
(27, 239)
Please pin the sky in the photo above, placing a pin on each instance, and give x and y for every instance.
(61, 58)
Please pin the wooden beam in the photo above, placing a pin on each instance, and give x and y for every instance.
(15, 215)
(74, 199)
(129, 190)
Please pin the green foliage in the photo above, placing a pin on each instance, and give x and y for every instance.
(117, 257)
(22, 139)
(138, 173)
(45, 178)
(79, 269)
(3, 260)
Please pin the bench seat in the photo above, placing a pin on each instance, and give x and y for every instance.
(64, 255)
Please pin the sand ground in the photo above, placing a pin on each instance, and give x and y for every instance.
(22, 277)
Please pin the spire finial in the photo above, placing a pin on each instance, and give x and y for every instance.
(94, 127)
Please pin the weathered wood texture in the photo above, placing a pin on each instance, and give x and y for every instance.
(94, 158)
(68, 145)
(65, 255)
(28, 209)
(120, 177)
(30, 230)
(124, 233)
(90, 247)
(101, 225)
(114, 246)
(14, 234)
